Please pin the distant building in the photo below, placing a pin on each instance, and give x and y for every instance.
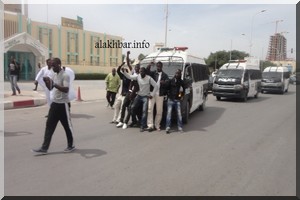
(277, 48)
(31, 42)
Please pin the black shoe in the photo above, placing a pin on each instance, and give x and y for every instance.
(150, 129)
(133, 124)
(142, 130)
(39, 151)
(69, 149)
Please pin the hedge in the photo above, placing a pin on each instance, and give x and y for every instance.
(90, 76)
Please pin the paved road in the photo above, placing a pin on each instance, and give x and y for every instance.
(232, 148)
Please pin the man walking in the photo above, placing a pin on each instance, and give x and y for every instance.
(14, 73)
(45, 71)
(112, 81)
(59, 109)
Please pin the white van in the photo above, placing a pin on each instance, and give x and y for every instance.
(195, 73)
(275, 79)
(238, 79)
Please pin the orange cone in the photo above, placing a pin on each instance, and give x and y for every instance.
(78, 95)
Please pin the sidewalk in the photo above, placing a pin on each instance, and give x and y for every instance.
(89, 90)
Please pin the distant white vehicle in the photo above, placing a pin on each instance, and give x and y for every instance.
(275, 79)
(195, 73)
(238, 79)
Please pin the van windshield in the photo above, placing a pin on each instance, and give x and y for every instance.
(170, 64)
(230, 73)
(270, 75)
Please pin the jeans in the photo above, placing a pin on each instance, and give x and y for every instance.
(176, 104)
(13, 83)
(134, 108)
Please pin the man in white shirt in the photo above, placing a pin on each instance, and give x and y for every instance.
(45, 72)
(143, 95)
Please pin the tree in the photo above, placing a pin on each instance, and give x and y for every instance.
(219, 58)
(264, 64)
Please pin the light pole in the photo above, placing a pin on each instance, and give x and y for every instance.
(252, 28)
(166, 28)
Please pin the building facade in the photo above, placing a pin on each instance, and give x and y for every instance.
(277, 48)
(32, 42)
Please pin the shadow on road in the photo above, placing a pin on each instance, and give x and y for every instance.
(199, 121)
(17, 133)
(86, 153)
(82, 116)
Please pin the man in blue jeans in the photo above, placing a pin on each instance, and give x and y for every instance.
(175, 94)
(144, 82)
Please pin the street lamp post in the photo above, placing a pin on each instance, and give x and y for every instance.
(252, 28)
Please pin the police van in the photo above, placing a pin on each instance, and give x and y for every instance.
(275, 79)
(238, 79)
(195, 74)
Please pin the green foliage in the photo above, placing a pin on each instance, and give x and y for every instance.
(265, 64)
(219, 58)
(90, 76)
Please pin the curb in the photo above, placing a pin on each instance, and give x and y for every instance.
(24, 103)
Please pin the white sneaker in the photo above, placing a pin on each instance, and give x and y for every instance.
(124, 126)
(119, 124)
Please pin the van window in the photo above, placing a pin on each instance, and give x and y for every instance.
(200, 72)
(255, 74)
(246, 76)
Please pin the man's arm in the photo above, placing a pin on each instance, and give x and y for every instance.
(65, 87)
(128, 61)
(119, 70)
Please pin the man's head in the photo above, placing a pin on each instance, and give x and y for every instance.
(137, 68)
(55, 63)
(178, 74)
(113, 71)
(143, 72)
(159, 66)
(48, 61)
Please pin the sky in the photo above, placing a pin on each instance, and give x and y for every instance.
(203, 28)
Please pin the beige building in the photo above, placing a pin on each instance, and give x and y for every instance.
(31, 42)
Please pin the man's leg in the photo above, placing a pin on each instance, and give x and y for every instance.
(52, 120)
(65, 120)
(159, 110)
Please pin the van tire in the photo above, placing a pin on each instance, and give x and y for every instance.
(256, 95)
(218, 98)
(185, 118)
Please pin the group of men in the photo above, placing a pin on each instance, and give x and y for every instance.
(141, 90)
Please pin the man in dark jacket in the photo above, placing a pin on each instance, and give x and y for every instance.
(161, 79)
(175, 94)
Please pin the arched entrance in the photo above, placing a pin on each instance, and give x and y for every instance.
(28, 52)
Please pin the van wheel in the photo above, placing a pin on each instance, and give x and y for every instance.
(185, 118)
(218, 98)
(256, 95)
(202, 107)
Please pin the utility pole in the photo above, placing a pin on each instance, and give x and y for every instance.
(166, 28)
